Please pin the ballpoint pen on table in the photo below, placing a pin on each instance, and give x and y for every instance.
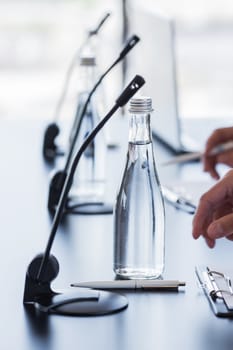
(178, 201)
(197, 155)
(150, 285)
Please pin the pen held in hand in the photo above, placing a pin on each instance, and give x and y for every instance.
(197, 155)
(150, 285)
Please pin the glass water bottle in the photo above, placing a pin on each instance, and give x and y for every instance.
(139, 212)
(89, 180)
(86, 80)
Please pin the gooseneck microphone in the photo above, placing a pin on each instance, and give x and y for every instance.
(57, 180)
(50, 149)
(44, 267)
(96, 30)
(131, 42)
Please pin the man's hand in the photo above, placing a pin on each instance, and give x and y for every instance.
(219, 136)
(214, 215)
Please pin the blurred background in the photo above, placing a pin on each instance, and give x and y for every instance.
(39, 37)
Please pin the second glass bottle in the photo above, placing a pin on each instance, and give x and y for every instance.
(89, 181)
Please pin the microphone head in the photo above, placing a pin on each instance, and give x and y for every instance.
(49, 146)
(130, 43)
(95, 31)
(55, 188)
(135, 84)
(51, 270)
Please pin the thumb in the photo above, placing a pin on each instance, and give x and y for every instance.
(225, 158)
(222, 227)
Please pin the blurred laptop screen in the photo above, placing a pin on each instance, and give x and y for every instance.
(154, 59)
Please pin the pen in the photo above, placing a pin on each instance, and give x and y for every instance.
(132, 284)
(178, 201)
(197, 155)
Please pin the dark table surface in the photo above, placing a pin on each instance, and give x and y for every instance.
(83, 246)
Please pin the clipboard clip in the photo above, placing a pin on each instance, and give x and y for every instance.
(216, 292)
(218, 289)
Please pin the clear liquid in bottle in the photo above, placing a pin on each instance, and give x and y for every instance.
(139, 212)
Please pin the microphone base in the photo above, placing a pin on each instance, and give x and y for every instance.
(39, 295)
(73, 206)
(50, 149)
(81, 303)
(89, 208)
(50, 155)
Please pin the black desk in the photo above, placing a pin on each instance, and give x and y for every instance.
(84, 249)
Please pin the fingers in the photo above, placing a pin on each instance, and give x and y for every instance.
(218, 200)
(230, 237)
(210, 242)
(223, 227)
(209, 166)
(225, 158)
(219, 136)
(203, 217)
(214, 217)
(209, 162)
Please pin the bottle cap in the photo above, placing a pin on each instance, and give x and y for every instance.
(87, 61)
(142, 104)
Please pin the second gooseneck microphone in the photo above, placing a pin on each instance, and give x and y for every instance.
(58, 179)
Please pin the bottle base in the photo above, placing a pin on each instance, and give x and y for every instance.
(132, 273)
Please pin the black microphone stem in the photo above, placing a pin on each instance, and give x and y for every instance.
(66, 188)
(73, 141)
(73, 64)
(95, 31)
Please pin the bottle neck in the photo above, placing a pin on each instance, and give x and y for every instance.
(139, 129)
